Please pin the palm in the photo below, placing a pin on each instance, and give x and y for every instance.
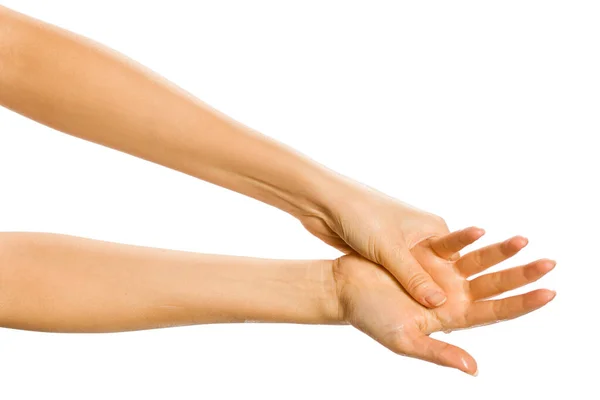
(373, 301)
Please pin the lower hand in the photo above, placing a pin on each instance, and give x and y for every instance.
(373, 301)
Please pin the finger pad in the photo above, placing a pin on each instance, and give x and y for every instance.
(538, 298)
(463, 361)
(517, 243)
(474, 233)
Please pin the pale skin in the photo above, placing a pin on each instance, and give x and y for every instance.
(81, 88)
(60, 283)
(401, 262)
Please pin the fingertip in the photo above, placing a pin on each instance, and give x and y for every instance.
(442, 353)
(546, 265)
(472, 234)
(546, 294)
(538, 269)
(542, 297)
(520, 241)
(421, 286)
(434, 298)
(477, 231)
(468, 364)
(516, 243)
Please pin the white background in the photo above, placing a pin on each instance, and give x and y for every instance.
(486, 113)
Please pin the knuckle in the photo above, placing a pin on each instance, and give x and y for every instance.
(440, 222)
(497, 284)
(477, 259)
(392, 255)
(530, 273)
(372, 249)
(497, 311)
(506, 248)
(417, 282)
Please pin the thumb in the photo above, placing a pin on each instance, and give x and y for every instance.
(414, 279)
(442, 353)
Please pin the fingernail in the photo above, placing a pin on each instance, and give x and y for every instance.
(476, 372)
(435, 299)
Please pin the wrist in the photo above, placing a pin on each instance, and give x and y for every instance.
(326, 194)
(276, 174)
(255, 165)
(284, 291)
(311, 189)
(329, 293)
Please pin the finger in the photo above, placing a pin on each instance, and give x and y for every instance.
(442, 353)
(490, 311)
(414, 279)
(480, 260)
(450, 244)
(499, 282)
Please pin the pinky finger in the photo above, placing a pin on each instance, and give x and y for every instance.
(442, 353)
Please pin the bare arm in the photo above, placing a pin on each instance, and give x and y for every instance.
(66, 284)
(81, 88)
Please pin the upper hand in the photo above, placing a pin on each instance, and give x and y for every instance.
(372, 300)
(383, 230)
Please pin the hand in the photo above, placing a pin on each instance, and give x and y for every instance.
(383, 230)
(372, 300)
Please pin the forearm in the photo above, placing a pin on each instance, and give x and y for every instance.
(66, 284)
(81, 88)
